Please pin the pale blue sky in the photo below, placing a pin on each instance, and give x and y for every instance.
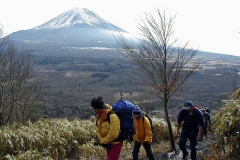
(210, 25)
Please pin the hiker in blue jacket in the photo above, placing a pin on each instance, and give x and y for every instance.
(192, 128)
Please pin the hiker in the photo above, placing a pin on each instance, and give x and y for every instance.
(192, 128)
(107, 132)
(208, 122)
(143, 134)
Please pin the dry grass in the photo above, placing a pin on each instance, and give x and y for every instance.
(63, 139)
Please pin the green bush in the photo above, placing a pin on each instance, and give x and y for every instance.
(56, 138)
(161, 130)
(226, 125)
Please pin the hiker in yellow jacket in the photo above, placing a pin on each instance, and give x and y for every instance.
(107, 132)
(143, 134)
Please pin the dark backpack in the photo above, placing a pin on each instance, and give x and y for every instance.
(150, 120)
(124, 110)
(207, 110)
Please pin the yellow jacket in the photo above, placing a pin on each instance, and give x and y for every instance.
(106, 132)
(143, 132)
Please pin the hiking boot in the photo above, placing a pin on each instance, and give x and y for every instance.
(184, 157)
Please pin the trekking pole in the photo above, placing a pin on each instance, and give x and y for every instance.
(121, 95)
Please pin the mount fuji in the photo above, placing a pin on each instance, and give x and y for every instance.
(79, 18)
(73, 28)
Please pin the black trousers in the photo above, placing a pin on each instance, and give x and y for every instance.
(147, 148)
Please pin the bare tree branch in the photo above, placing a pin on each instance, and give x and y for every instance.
(19, 93)
(163, 64)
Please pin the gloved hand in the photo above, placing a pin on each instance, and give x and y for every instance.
(106, 145)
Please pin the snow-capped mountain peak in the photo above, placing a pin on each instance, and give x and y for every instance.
(79, 17)
(76, 27)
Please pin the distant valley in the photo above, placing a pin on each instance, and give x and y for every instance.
(73, 79)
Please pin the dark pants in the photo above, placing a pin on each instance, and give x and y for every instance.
(147, 148)
(192, 136)
(205, 131)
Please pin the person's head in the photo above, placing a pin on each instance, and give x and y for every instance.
(203, 111)
(98, 105)
(137, 112)
(188, 105)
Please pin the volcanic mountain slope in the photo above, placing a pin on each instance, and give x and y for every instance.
(76, 27)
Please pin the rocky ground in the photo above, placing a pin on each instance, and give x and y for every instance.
(203, 149)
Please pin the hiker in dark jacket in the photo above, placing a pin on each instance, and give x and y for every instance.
(208, 122)
(192, 128)
(143, 134)
(107, 132)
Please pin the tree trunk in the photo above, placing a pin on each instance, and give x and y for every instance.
(169, 126)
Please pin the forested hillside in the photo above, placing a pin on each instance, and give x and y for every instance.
(71, 80)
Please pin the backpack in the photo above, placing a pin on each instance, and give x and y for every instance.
(205, 118)
(196, 106)
(150, 120)
(123, 109)
(207, 110)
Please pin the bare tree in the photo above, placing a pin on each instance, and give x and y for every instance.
(163, 65)
(19, 92)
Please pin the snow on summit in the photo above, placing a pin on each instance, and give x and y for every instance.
(78, 16)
